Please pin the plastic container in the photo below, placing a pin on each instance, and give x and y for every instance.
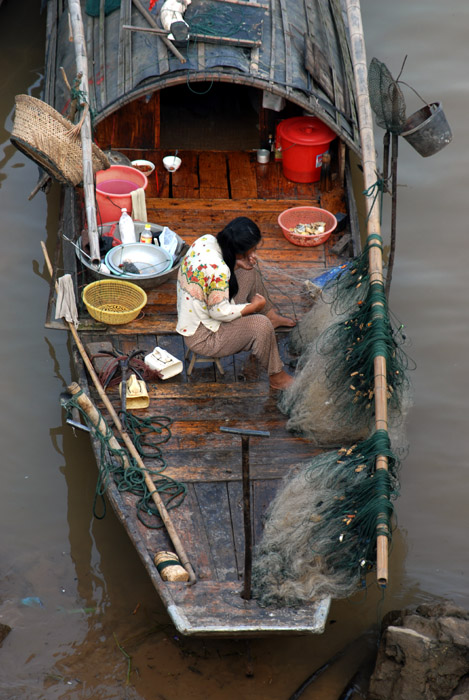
(126, 228)
(290, 218)
(303, 141)
(114, 188)
(146, 236)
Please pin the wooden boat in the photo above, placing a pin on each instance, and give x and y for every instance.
(206, 100)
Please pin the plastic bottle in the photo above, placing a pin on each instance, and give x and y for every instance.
(146, 236)
(126, 228)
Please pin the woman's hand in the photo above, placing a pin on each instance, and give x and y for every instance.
(256, 304)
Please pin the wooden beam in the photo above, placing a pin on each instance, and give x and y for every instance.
(206, 38)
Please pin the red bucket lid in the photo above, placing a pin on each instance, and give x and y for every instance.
(306, 131)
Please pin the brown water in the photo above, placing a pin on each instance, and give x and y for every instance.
(97, 611)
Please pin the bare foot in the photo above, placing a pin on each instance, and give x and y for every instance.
(277, 320)
(280, 380)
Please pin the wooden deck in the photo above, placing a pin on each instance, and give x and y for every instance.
(209, 190)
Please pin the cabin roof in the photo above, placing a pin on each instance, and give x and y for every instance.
(299, 51)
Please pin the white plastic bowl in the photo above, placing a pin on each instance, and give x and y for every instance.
(171, 163)
(144, 166)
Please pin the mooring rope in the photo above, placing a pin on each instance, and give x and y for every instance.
(147, 435)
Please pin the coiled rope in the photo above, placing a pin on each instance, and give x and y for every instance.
(147, 435)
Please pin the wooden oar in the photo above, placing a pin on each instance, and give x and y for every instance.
(127, 441)
(375, 256)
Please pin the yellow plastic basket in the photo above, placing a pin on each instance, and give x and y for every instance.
(114, 301)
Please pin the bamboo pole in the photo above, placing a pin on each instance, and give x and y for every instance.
(127, 441)
(85, 131)
(358, 52)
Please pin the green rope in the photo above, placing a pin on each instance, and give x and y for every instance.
(147, 435)
(81, 99)
(375, 190)
(351, 504)
(353, 344)
(350, 524)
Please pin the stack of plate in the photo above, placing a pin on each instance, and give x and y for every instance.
(148, 259)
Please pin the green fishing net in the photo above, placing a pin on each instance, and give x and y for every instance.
(319, 538)
(332, 397)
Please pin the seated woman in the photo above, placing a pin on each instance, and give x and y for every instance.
(222, 305)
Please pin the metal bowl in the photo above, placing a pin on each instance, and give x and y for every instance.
(148, 258)
(147, 282)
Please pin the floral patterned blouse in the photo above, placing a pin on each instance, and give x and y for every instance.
(202, 289)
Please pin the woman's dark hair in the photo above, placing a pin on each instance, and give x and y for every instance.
(239, 236)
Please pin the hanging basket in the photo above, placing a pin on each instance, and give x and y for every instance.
(45, 136)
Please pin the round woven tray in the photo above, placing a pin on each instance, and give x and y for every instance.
(44, 135)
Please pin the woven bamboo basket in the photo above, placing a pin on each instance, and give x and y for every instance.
(114, 302)
(45, 136)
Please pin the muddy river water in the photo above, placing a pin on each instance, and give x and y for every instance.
(85, 620)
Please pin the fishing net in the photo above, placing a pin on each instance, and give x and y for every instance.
(320, 533)
(332, 397)
(386, 98)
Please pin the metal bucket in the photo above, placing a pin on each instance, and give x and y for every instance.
(427, 130)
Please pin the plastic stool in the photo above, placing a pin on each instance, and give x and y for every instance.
(194, 359)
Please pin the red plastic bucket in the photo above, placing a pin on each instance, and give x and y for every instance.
(304, 141)
(113, 191)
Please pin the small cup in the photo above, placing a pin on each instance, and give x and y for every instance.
(263, 155)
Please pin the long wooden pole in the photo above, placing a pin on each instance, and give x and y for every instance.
(128, 442)
(85, 131)
(375, 256)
